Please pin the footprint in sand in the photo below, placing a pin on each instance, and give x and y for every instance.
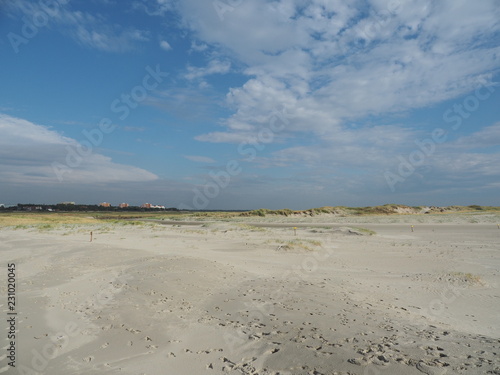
(273, 351)
(429, 370)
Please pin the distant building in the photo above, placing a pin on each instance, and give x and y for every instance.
(123, 205)
(33, 208)
(146, 205)
(68, 203)
(105, 204)
(158, 207)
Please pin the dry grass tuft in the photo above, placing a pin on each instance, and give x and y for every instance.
(466, 278)
(295, 244)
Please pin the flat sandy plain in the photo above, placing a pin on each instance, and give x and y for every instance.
(227, 297)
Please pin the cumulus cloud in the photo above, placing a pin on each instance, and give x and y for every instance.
(332, 64)
(344, 60)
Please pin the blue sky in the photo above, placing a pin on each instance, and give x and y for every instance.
(245, 104)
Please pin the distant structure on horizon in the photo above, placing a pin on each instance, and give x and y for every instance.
(105, 204)
(68, 203)
(149, 205)
(123, 205)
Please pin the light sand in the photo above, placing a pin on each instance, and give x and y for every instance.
(229, 298)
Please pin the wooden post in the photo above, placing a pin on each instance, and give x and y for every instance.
(90, 236)
(412, 228)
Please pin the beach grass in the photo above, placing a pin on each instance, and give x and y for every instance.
(365, 231)
(26, 220)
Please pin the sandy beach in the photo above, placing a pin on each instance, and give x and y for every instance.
(338, 296)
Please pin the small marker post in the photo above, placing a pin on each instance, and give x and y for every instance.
(295, 231)
(412, 228)
(90, 236)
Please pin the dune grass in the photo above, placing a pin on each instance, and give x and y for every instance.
(18, 219)
(386, 209)
(366, 231)
(26, 220)
(251, 228)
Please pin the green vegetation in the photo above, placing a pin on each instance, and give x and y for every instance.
(288, 212)
(43, 227)
(386, 209)
(365, 231)
(19, 220)
(251, 228)
(476, 207)
(259, 212)
(25, 220)
(379, 210)
(20, 226)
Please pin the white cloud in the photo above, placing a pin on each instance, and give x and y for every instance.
(226, 137)
(164, 45)
(92, 31)
(155, 7)
(213, 67)
(198, 47)
(28, 151)
(487, 137)
(330, 63)
(200, 159)
(336, 63)
(106, 38)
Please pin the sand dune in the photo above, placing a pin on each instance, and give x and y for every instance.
(231, 298)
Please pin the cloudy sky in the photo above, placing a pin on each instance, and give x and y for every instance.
(239, 104)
